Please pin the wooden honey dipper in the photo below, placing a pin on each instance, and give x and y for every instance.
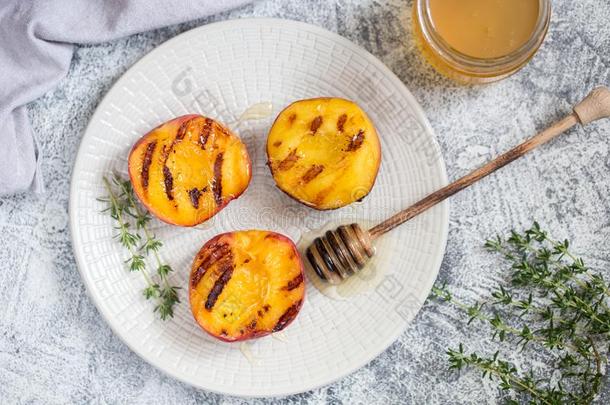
(342, 252)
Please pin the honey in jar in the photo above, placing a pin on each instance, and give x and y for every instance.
(478, 41)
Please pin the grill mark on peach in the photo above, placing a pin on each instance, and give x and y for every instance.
(277, 144)
(168, 181)
(205, 131)
(322, 195)
(194, 195)
(356, 142)
(287, 316)
(217, 183)
(180, 134)
(341, 122)
(226, 267)
(312, 173)
(181, 131)
(252, 325)
(150, 148)
(218, 251)
(167, 149)
(289, 160)
(315, 124)
(294, 283)
(291, 119)
(223, 131)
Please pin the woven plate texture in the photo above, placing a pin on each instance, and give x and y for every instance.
(219, 70)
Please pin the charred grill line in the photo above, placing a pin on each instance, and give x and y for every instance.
(198, 275)
(168, 181)
(220, 251)
(217, 252)
(224, 131)
(150, 148)
(294, 283)
(194, 195)
(226, 266)
(287, 316)
(181, 132)
(217, 183)
(341, 122)
(204, 134)
(165, 149)
(356, 142)
(312, 173)
(322, 195)
(291, 119)
(315, 124)
(252, 325)
(289, 160)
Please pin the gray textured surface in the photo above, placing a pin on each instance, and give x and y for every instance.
(56, 348)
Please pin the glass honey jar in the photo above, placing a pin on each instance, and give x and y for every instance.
(480, 41)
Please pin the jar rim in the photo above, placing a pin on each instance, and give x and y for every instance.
(483, 66)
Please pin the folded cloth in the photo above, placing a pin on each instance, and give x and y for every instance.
(36, 45)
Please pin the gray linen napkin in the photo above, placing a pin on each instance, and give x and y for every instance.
(36, 45)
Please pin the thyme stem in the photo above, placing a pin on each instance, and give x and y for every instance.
(124, 204)
(569, 315)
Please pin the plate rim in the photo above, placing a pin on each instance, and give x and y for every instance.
(275, 22)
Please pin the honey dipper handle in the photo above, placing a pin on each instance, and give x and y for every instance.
(595, 106)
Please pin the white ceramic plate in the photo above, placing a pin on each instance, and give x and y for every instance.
(219, 70)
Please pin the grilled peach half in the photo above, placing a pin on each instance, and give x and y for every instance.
(324, 152)
(187, 169)
(246, 284)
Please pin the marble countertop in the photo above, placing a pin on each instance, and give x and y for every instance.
(56, 348)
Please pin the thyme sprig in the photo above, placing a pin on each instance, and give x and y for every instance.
(553, 300)
(141, 242)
